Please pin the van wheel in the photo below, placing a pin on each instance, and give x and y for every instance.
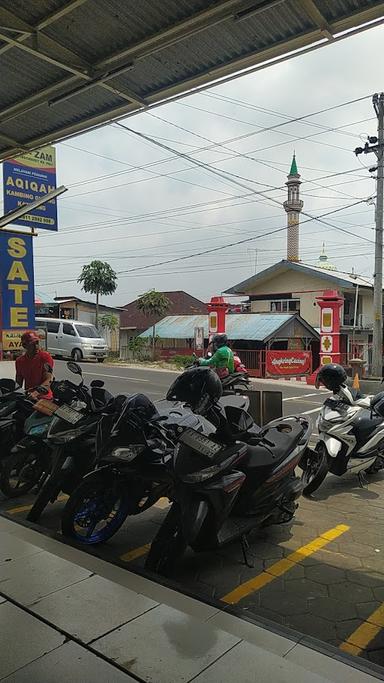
(77, 356)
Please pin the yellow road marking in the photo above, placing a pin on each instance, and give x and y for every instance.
(367, 631)
(25, 508)
(135, 553)
(284, 565)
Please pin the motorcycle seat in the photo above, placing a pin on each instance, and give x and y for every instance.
(274, 445)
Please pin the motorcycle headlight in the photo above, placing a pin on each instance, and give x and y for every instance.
(201, 475)
(64, 437)
(129, 453)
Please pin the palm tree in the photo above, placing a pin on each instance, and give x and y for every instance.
(110, 322)
(98, 278)
(153, 304)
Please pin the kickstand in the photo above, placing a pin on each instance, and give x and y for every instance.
(363, 481)
(245, 548)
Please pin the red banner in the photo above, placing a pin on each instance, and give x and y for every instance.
(278, 363)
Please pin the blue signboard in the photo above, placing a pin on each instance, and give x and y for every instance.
(17, 288)
(29, 177)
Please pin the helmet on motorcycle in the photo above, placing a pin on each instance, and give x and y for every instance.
(199, 387)
(219, 340)
(332, 376)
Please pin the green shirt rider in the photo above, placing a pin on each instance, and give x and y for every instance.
(222, 358)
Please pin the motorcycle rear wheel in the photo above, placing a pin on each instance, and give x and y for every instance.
(168, 546)
(19, 473)
(315, 471)
(95, 511)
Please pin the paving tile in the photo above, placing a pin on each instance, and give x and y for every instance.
(365, 609)
(323, 573)
(283, 602)
(165, 645)
(305, 587)
(378, 592)
(366, 578)
(23, 639)
(313, 626)
(71, 662)
(246, 663)
(92, 607)
(350, 592)
(12, 547)
(257, 635)
(345, 628)
(332, 609)
(331, 668)
(30, 578)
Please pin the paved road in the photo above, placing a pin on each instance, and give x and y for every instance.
(323, 575)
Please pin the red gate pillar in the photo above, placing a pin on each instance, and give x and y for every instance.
(217, 309)
(330, 304)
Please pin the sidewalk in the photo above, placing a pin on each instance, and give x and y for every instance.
(68, 616)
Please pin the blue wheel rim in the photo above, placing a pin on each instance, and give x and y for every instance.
(98, 512)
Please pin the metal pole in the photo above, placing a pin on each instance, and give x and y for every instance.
(354, 321)
(377, 350)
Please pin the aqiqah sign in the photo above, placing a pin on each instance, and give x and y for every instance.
(29, 177)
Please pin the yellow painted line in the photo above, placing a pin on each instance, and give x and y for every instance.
(25, 508)
(135, 553)
(279, 568)
(365, 633)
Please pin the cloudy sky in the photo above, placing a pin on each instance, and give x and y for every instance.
(216, 176)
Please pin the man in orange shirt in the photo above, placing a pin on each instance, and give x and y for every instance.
(35, 367)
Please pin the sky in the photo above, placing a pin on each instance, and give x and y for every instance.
(211, 171)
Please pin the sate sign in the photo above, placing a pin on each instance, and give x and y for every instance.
(288, 363)
(17, 288)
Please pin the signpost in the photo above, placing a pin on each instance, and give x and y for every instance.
(27, 178)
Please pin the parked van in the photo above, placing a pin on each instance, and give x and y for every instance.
(73, 339)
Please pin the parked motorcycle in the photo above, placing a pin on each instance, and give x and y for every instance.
(351, 433)
(71, 438)
(133, 447)
(224, 487)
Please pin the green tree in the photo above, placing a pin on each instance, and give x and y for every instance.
(110, 322)
(153, 304)
(98, 278)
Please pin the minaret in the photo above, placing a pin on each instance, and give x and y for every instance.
(293, 206)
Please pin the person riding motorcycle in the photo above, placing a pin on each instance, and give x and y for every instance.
(35, 367)
(222, 359)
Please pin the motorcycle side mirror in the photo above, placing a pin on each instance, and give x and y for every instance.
(75, 368)
(8, 385)
(97, 383)
(209, 354)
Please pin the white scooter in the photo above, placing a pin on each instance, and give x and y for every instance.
(351, 439)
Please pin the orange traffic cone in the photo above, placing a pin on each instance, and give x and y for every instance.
(356, 382)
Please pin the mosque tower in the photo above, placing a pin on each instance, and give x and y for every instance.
(293, 207)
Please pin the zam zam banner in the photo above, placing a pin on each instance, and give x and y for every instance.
(29, 177)
(17, 289)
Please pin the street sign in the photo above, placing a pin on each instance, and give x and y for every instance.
(27, 178)
(199, 338)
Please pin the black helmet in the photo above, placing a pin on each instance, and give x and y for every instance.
(219, 340)
(332, 376)
(199, 387)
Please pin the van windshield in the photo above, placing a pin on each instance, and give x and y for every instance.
(87, 331)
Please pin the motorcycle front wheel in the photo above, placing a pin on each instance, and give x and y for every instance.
(168, 546)
(315, 470)
(19, 473)
(95, 511)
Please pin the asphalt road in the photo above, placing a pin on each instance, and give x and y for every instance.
(323, 575)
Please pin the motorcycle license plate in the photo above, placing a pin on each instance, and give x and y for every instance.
(200, 443)
(68, 414)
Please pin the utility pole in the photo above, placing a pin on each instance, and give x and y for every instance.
(376, 145)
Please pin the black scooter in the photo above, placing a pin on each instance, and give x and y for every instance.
(224, 488)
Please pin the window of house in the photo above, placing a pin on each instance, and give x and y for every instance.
(68, 329)
(285, 306)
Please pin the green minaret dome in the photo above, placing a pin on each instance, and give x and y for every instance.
(294, 170)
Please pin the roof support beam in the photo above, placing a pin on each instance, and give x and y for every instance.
(314, 13)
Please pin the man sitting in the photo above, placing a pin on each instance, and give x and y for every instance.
(222, 359)
(35, 367)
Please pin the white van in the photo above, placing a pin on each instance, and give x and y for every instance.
(73, 339)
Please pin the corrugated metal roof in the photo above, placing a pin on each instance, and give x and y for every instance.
(252, 326)
(148, 51)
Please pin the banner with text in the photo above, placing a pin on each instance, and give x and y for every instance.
(17, 288)
(29, 177)
(279, 363)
